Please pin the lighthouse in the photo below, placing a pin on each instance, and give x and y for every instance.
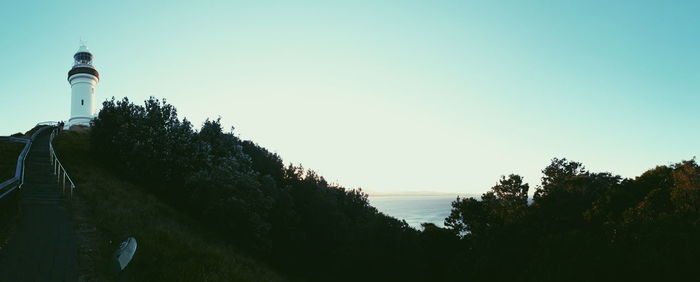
(83, 79)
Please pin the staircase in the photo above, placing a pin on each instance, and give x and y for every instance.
(43, 248)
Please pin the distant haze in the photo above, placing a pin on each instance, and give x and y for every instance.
(390, 96)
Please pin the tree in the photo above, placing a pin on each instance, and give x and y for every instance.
(504, 204)
(290, 216)
(511, 195)
(557, 174)
(686, 191)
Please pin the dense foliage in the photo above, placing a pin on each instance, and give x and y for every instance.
(580, 225)
(289, 216)
(584, 226)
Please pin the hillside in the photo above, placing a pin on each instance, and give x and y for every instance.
(286, 216)
(208, 206)
(172, 245)
(9, 151)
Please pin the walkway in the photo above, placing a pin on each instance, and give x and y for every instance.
(43, 248)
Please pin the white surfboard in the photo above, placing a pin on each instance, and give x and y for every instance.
(124, 254)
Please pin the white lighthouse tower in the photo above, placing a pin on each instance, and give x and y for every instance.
(83, 79)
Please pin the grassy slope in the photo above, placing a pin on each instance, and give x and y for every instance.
(9, 151)
(9, 205)
(171, 246)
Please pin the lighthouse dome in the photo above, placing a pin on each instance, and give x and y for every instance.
(83, 57)
(83, 63)
(83, 48)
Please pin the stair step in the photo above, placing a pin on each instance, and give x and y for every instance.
(42, 185)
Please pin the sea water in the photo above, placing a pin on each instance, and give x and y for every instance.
(415, 209)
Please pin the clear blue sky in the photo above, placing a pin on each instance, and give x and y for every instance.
(385, 95)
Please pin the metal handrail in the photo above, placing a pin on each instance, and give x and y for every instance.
(49, 123)
(19, 167)
(18, 179)
(24, 165)
(58, 168)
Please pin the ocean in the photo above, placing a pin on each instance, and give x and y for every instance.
(415, 209)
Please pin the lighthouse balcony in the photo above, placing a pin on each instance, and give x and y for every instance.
(80, 69)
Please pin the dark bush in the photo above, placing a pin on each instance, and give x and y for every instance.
(290, 216)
